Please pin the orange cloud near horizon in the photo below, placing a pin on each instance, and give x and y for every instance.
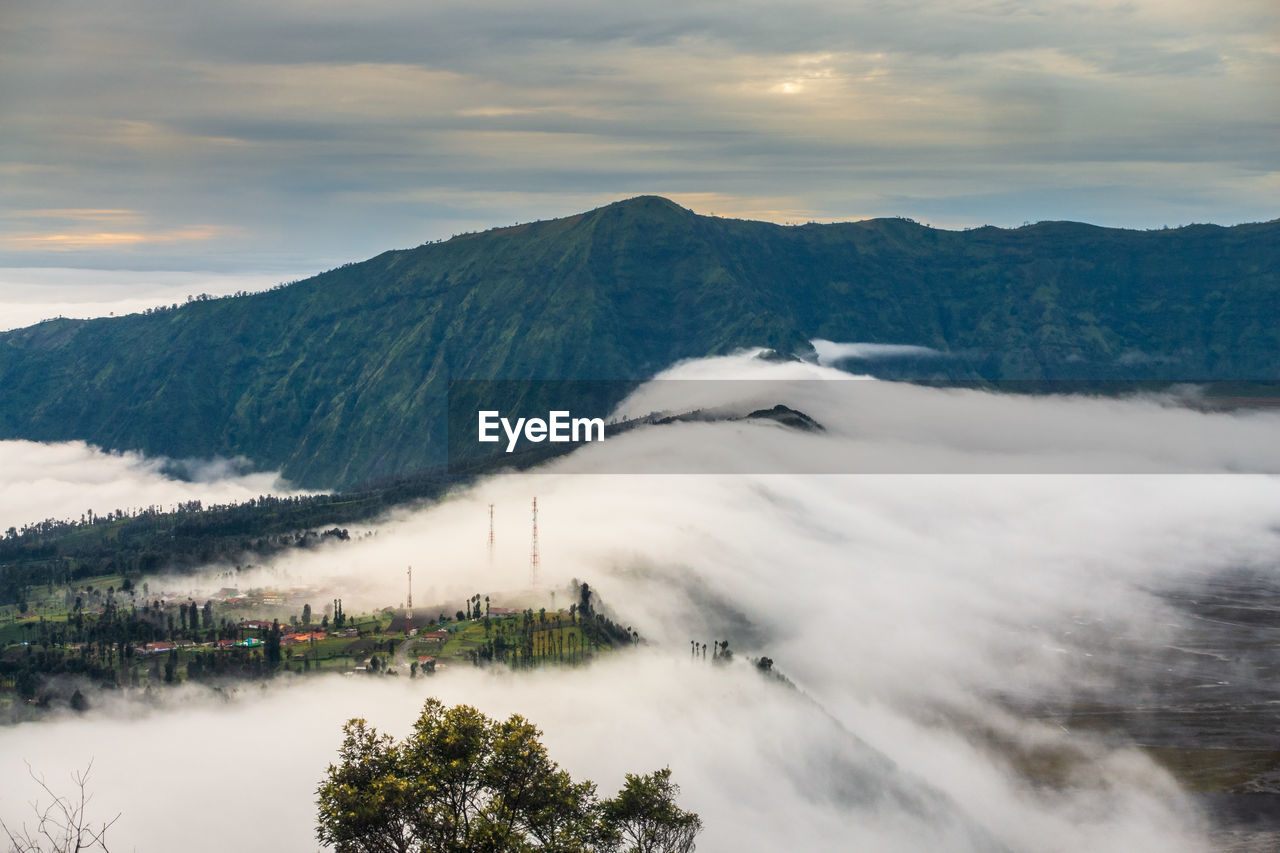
(72, 241)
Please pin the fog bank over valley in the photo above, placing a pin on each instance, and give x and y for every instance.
(64, 480)
(29, 295)
(934, 626)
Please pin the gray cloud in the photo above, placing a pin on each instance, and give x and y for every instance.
(292, 135)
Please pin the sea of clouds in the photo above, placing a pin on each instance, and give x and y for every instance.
(65, 480)
(914, 612)
(29, 295)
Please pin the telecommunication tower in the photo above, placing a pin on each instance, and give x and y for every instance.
(409, 608)
(533, 550)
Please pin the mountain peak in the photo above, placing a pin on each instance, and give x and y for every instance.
(648, 205)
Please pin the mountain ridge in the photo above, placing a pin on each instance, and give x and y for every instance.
(342, 377)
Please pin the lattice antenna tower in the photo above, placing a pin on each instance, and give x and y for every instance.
(409, 607)
(533, 550)
(491, 534)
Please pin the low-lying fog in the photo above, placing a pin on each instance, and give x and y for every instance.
(64, 480)
(911, 611)
(29, 295)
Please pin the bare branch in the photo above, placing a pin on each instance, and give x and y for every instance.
(62, 826)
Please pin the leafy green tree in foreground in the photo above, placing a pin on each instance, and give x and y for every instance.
(464, 782)
(646, 816)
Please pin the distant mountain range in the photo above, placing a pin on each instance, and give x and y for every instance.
(342, 378)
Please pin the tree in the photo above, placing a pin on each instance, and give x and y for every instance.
(63, 826)
(647, 818)
(365, 805)
(306, 614)
(271, 645)
(26, 683)
(462, 781)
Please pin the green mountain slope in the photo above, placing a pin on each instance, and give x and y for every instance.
(342, 377)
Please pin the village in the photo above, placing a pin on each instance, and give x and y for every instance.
(115, 632)
(104, 636)
(388, 641)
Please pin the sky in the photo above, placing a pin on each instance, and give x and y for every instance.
(248, 138)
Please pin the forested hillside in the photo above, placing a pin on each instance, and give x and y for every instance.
(343, 377)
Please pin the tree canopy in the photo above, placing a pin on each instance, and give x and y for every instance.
(462, 781)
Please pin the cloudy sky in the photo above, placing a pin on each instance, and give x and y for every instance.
(244, 137)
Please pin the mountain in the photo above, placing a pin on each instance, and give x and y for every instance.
(342, 378)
